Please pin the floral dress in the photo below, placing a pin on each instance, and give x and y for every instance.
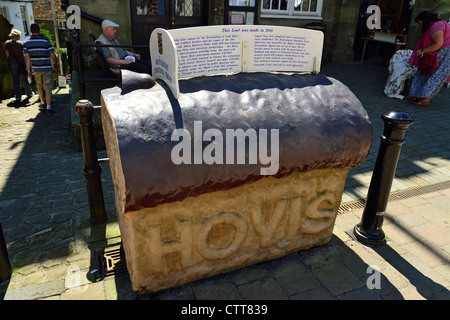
(422, 85)
(399, 71)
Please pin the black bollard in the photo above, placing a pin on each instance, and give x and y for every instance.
(369, 231)
(92, 169)
(5, 264)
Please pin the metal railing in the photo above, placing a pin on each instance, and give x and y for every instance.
(78, 53)
(85, 110)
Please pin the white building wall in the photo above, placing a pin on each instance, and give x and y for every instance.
(15, 16)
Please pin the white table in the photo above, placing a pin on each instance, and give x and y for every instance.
(366, 39)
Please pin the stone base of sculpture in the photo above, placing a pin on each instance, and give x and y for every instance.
(202, 236)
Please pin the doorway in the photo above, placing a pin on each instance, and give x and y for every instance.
(147, 15)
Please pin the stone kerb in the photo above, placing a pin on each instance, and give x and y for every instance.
(205, 51)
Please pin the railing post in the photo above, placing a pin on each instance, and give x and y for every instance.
(369, 231)
(92, 169)
(79, 57)
(5, 264)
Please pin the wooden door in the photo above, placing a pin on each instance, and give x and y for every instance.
(147, 15)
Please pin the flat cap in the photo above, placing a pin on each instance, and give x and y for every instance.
(109, 23)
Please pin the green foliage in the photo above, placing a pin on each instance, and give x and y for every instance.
(48, 35)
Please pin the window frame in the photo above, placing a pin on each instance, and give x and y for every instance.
(290, 13)
(5, 10)
(245, 9)
(23, 16)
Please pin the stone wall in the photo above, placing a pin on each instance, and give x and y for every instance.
(117, 11)
(341, 19)
(43, 9)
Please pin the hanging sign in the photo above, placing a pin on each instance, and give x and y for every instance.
(74, 20)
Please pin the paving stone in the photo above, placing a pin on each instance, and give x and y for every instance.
(119, 288)
(397, 234)
(410, 293)
(413, 202)
(216, 289)
(425, 254)
(433, 213)
(184, 292)
(249, 274)
(337, 278)
(262, 290)
(36, 291)
(320, 256)
(314, 294)
(93, 291)
(409, 220)
(361, 294)
(441, 201)
(438, 235)
(392, 280)
(294, 278)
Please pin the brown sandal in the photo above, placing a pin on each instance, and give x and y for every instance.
(421, 103)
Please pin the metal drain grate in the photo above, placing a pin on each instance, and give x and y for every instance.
(112, 262)
(343, 208)
(398, 195)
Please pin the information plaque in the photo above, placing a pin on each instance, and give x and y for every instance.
(215, 50)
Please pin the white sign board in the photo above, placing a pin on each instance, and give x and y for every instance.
(214, 50)
(62, 81)
(164, 59)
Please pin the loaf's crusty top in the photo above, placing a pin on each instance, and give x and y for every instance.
(321, 124)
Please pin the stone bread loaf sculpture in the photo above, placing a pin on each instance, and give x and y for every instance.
(184, 214)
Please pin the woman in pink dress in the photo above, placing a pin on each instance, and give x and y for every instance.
(436, 38)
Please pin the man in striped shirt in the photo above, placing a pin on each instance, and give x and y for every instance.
(39, 55)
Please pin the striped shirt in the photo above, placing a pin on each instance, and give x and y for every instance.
(39, 50)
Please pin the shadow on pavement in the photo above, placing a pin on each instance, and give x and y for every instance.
(328, 272)
(429, 289)
(425, 139)
(44, 200)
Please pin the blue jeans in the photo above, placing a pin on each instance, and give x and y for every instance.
(14, 68)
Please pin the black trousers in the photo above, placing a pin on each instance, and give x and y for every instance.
(141, 66)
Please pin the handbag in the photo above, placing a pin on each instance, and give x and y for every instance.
(428, 62)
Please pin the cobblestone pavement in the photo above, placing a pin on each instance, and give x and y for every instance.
(52, 246)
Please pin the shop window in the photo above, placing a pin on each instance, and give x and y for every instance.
(188, 8)
(150, 7)
(241, 11)
(307, 9)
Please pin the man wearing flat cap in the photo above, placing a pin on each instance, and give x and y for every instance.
(119, 58)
